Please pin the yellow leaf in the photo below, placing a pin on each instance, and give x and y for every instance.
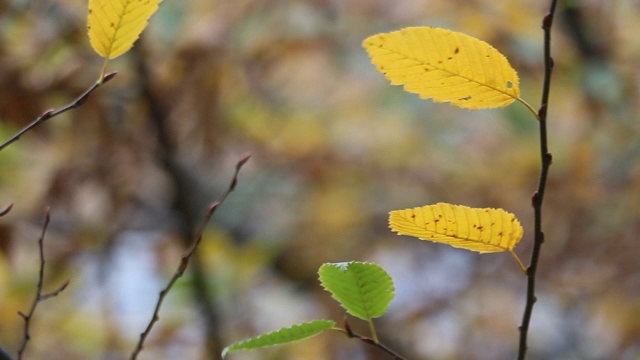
(482, 230)
(446, 66)
(114, 25)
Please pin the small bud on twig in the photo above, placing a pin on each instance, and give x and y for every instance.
(108, 76)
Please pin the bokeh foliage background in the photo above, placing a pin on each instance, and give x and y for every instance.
(335, 147)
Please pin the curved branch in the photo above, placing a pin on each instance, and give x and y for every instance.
(538, 196)
(51, 113)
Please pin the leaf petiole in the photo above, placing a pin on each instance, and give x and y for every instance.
(522, 267)
(104, 71)
(533, 111)
(372, 328)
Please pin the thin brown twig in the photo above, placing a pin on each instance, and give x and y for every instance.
(51, 113)
(367, 340)
(538, 196)
(39, 296)
(184, 261)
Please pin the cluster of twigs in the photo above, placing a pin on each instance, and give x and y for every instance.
(184, 262)
(40, 297)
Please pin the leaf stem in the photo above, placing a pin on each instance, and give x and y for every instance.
(522, 267)
(538, 196)
(529, 107)
(372, 329)
(103, 71)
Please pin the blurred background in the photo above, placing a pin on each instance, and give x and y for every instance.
(129, 175)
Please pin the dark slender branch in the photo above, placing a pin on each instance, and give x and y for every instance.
(368, 340)
(51, 113)
(538, 196)
(184, 262)
(4, 355)
(39, 296)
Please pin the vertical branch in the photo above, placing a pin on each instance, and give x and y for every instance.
(6, 209)
(39, 296)
(4, 355)
(538, 196)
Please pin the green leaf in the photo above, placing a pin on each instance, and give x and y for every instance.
(363, 289)
(285, 335)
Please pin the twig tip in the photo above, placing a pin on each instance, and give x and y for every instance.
(108, 76)
(6, 210)
(214, 205)
(243, 160)
(64, 285)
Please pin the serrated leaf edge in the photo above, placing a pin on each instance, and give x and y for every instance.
(363, 300)
(315, 327)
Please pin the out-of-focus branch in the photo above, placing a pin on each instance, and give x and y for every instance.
(184, 262)
(4, 355)
(39, 295)
(538, 196)
(187, 200)
(51, 113)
